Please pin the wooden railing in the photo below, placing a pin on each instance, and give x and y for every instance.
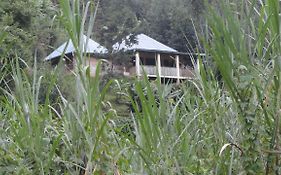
(165, 71)
(169, 71)
(149, 70)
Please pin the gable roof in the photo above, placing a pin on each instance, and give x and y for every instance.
(92, 47)
(144, 43)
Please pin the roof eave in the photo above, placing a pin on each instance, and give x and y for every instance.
(102, 55)
(156, 51)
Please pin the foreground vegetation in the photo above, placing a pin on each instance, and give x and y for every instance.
(225, 121)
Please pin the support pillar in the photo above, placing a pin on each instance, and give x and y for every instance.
(159, 64)
(137, 64)
(178, 68)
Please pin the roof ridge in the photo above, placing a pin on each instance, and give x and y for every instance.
(145, 43)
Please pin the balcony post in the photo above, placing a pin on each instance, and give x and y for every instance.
(159, 64)
(178, 68)
(137, 64)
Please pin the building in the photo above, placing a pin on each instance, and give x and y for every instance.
(156, 59)
(92, 51)
(150, 57)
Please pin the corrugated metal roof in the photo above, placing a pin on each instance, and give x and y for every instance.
(92, 47)
(144, 43)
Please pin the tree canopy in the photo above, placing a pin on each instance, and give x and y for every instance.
(169, 21)
(31, 27)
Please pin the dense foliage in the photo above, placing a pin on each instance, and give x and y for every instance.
(168, 21)
(31, 28)
(56, 124)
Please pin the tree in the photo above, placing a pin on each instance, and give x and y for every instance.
(168, 21)
(115, 20)
(28, 24)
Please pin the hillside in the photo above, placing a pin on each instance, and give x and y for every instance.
(223, 120)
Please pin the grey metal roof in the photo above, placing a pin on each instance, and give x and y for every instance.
(92, 47)
(144, 43)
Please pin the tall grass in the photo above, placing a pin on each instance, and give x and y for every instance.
(245, 47)
(208, 125)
